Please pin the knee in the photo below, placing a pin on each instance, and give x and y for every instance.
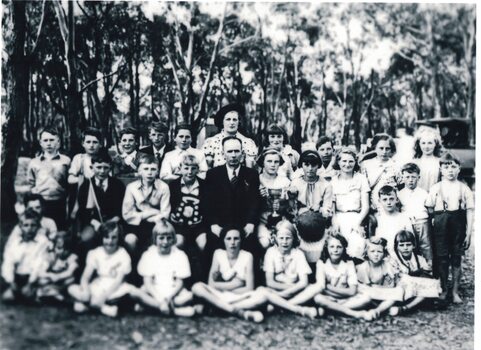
(319, 299)
(198, 288)
(87, 234)
(201, 241)
(131, 241)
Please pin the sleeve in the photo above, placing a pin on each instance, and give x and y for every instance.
(269, 263)
(145, 268)
(364, 184)
(320, 272)
(203, 167)
(210, 201)
(431, 198)
(351, 274)
(129, 210)
(468, 197)
(91, 260)
(302, 266)
(8, 265)
(31, 173)
(253, 199)
(250, 148)
(327, 197)
(165, 201)
(76, 165)
(207, 147)
(166, 170)
(182, 265)
(362, 274)
(50, 227)
(126, 263)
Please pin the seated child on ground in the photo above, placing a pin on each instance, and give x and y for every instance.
(110, 263)
(21, 257)
(164, 268)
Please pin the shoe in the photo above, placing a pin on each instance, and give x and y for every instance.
(109, 310)
(79, 307)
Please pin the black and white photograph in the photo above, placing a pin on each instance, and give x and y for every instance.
(238, 175)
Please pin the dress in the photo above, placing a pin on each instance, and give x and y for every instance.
(379, 174)
(430, 172)
(286, 268)
(341, 275)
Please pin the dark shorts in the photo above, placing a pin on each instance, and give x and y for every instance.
(449, 233)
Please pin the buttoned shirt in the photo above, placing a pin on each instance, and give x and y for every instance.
(48, 176)
(192, 190)
(170, 169)
(213, 147)
(81, 165)
(413, 203)
(231, 172)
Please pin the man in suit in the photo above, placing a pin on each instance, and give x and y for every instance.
(159, 139)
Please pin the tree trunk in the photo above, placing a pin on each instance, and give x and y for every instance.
(12, 129)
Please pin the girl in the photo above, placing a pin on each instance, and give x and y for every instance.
(376, 271)
(311, 190)
(406, 262)
(325, 150)
(336, 281)
(56, 271)
(350, 200)
(427, 151)
(164, 269)
(273, 189)
(231, 279)
(111, 263)
(381, 170)
(277, 139)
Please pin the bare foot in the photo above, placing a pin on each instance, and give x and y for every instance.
(255, 316)
(457, 299)
(310, 312)
(320, 311)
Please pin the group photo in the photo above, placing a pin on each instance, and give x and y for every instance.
(212, 175)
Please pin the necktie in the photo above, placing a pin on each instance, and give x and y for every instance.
(234, 180)
(159, 157)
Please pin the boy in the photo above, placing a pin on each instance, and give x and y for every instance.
(158, 137)
(412, 199)
(389, 220)
(452, 203)
(21, 257)
(170, 169)
(146, 201)
(81, 163)
(124, 165)
(47, 176)
(36, 202)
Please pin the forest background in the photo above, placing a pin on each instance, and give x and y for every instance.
(345, 70)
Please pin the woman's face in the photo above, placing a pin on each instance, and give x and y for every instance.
(276, 141)
(427, 145)
(383, 150)
(335, 249)
(347, 163)
(271, 164)
(231, 122)
(232, 241)
(375, 253)
(325, 152)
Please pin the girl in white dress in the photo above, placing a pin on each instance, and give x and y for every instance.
(427, 151)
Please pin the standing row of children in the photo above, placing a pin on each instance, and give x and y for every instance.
(168, 241)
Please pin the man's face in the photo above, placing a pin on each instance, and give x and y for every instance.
(148, 172)
(101, 170)
(29, 228)
(233, 153)
(128, 143)
(183, 139)
(157, 138)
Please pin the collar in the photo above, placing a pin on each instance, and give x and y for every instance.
(155, 184)
(193, 187)
(56, 156)
(231, 171)
(161, 150)
(131, 155)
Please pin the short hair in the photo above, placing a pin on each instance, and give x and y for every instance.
(438, 147)
(66, 238)
(30, 214)
(376, 241)
(190, 159)
(349, 151)
(309, 157)
(322, 140)
(148, 159)
(102, 156)
(267, 151)
(286, 226)
(274, 129)
(51, 129)
(448, 158)
(229, 228)
(128, 131)
(383, 137)
(109, 226)
(410, 168)
(183, 127)
(92, 132)
(228, 138)
(335, 234)
(163, 225)
(387, 190)
(159, 127)
(30, 197)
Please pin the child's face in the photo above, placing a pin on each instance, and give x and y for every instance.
(189, 172)
(383, 150)
(276, 140)
(271, 164)
(148, 172)
(164, 242)
(91, 144)
(284, 241)
(375, 253)
(410, 180)
(49, 143)
(388, 202)
(101, 170)
(310, 170)
(232, 241)
(128, 143)
(29, 228)
(427, 145)
(60, 249)
(325, 151)
(35, 205)
(450, 171)
(231, 122)
(335, 249)
(347, 163)
(157, 138)
(183, 139)
(110, 242)
(405, 249)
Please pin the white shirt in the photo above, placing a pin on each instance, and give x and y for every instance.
(109, 265)
(129, 158)
(286, 268)
(388, 226)
(231, 172)
(413, 203)
(170, 169)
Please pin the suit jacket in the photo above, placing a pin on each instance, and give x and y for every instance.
(228, 204)
(110, 201)
(150, 150)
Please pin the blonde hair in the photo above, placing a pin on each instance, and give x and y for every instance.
(163, 225)
(190, 159)
(286, 226)
(429, 132)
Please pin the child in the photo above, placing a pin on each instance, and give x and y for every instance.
(111, 264)
(351, 200)
(325, 150)
(277, 139)
(125, 164)
(311, 190)
(406, 262)
(146, 201)
(21, 257)
(389, 220)
(47, 176)
(56, 272)
(412, 199)
(164, 269)
(231, 279)
(453, 205)
(427, 150)
(170, 169)
(376, 271)
(381, 170)
(80, 167)
(158, 136)
(273, 189)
